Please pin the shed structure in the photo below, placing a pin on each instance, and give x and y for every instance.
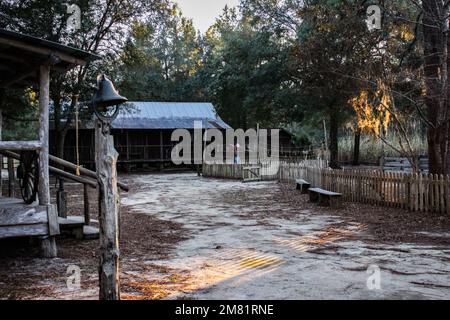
(142, 132)
(29, 61)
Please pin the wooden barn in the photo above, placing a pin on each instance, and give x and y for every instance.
(142, 132)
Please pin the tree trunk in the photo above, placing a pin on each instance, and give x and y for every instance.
(334, 147)
(436, 68)
(356, 148)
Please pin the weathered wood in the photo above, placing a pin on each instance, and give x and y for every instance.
(73, 177)
(60, 172)
(106, 161)
(52, 216)
(48, 244)
(61, 199)
(23, 231)
(325, 197)
(416, 192)
(1, 156)
(302, 185)
(48, 247)
(20, 145)
(83, 171)
(87, 216)
(22, 215)
(44, 186)
(11, 178)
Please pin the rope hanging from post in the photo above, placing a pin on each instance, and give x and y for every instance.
(76, 141)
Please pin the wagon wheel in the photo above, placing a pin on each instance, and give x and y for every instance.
(28, 175)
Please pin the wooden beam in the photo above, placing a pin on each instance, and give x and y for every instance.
(20, 145)
(24, 230)
(83, 171)
(56, 171)
(44, 93)
(73, 177)
(43, 51)
(48, 243)
(1, 156)
(106, 161)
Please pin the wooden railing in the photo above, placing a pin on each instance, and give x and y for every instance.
(416, 192)
(86, 177)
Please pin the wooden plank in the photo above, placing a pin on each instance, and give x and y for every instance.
(22, 215)
(24, 231)
(83, 171)
(20, 145)
(73, 177)
(325, 192)
(52, 216)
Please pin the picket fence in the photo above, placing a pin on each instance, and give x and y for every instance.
(413, 191)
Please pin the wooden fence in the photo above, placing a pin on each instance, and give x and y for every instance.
(415, 192)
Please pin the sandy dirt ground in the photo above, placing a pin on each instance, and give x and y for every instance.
(188, 237)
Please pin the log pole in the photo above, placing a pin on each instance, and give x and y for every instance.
(1, 156)
(106, 162)
(48, 244)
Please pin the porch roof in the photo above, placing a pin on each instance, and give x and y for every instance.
(21, 56)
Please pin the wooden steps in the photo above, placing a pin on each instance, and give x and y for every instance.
(74, 226)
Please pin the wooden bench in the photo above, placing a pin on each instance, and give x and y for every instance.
(325, 197)
(303, 185)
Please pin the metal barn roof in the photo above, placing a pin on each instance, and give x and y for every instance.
(168, 115)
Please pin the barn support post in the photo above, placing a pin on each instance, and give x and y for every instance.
(1, 156)
(106, 161)
(48, 243)
(87, 216)
(161, 150)
(11, 178)
(128, 145)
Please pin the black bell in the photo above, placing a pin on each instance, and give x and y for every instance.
(106, 95)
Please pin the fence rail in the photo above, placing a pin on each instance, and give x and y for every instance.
(413, 191)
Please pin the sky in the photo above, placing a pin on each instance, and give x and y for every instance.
(204, 12)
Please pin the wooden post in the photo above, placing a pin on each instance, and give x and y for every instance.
(61, 199)
(128, 146)
(48, 244)
(1, 156)
(11, 178)
(106, 161)
(161, 145)
(87, 217)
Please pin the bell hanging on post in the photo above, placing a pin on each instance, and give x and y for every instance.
(106, 96)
